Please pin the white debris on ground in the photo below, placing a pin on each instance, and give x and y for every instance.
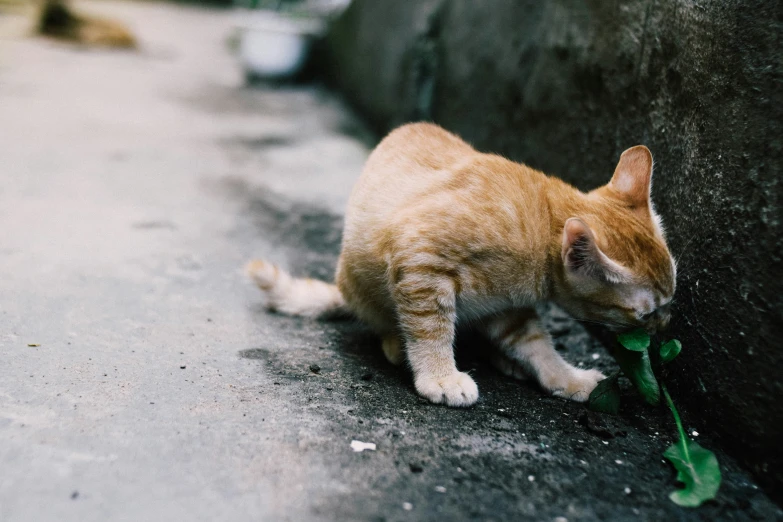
(407, 506)
(359, 446)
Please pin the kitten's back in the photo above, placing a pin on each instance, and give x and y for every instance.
(408, 163)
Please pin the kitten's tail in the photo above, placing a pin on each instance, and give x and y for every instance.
(293, 296)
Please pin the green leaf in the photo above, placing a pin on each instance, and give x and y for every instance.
(636, 340)
(606, 396)
(636, 366)
(698, 469)
(670, 350)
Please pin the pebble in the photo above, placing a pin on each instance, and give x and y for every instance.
(627, 491)
(440, 489)
(359, 446)
(407, 506)
(531, 478)
(315, 368)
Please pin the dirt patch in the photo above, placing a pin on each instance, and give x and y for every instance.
(516, 453)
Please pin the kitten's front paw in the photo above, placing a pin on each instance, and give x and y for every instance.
(576, 385)
(457, 389)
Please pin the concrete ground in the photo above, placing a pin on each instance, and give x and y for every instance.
(142, 378)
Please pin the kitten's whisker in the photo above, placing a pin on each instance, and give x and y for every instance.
(684, 249)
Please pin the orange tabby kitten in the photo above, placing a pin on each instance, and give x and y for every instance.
(438, 233)
(57, 20)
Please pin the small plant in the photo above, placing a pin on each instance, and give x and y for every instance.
(697, 467)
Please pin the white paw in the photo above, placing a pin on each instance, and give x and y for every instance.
(457, 389)
(575, 384)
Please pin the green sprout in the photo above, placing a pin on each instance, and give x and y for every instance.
(670, 350)
(697, 467)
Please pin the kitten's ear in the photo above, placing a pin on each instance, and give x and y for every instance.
(633, 176)
(581, 255)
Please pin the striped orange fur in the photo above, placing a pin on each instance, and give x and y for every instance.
(438, 233)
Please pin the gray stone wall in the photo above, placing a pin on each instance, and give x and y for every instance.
(565, 86)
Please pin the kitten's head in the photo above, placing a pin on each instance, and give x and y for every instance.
(616, 267)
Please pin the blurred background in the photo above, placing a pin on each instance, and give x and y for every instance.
(148, 149)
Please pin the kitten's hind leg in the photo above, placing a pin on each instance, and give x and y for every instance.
(520, 335)
(508, 366)
(392, 349)
(426, 308)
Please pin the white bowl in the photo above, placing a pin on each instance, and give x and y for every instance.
(273, 45)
